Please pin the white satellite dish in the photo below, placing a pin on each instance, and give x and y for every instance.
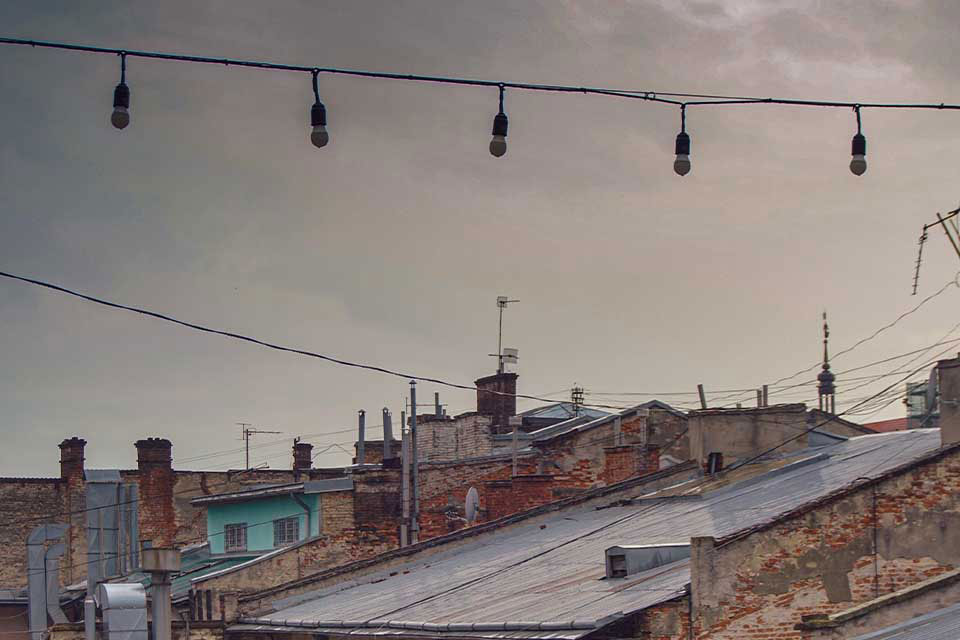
(471, 506)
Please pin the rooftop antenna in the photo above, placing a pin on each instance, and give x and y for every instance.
(942, 221)
(247, 432)
(502, 302)
(576, 397)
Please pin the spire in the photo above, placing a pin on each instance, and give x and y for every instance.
(826, 339)
(826, 388)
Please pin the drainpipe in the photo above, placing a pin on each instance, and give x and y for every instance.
(303, 505)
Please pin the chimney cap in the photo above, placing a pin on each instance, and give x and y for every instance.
(153, 443)
(75, 441)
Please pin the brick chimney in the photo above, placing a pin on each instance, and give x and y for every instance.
(302, 457)
(949, 372)
(71, 458)
(157, 516)
(496, 397)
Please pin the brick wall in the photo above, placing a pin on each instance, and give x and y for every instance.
(821, 559)
(26, 503)
(466, 436)
(628, 460)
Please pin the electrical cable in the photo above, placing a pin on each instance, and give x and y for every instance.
(276, 347)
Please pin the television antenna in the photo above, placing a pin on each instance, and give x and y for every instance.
(247, 432)
(502, 302)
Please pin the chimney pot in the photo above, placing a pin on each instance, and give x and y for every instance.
(71, 457)
(497, 398)
(302, 456)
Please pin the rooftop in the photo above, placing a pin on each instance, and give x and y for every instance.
(546, 577)
(939, 625)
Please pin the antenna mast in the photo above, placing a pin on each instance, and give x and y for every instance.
(502, 302)
(247, 432)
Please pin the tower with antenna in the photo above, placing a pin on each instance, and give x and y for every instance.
(497, 393)
(825, 381)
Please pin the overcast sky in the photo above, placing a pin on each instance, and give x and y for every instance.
(391, 245)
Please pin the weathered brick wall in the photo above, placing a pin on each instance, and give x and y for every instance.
(821, 559)
(444, 486)
(669, 431)
(901, 606)
(579, 460)
(178, 631)
(466, 436)
(26, 503)
(629, 460)
(666, 621)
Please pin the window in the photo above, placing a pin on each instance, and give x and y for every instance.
(286, 531)
(235, 536)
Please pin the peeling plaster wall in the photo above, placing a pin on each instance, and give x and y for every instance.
(891, 614)
(821, 561)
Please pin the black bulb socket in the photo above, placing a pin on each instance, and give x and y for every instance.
(500, 124)
(318, 115)
(121, 96)
(859, 145)
(683, 144)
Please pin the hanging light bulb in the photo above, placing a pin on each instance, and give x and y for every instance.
(858, 164)
(318, 118)
(498, 144)
(682, 164)
(120, 117)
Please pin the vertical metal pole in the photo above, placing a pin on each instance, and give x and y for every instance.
(361, 438)
(703, 398)
(388, 434)
(514, 447)
(415, 462)
(500, 341)
(405, 480)
(946, 230)
(160, 597)
(766, 396)
(436, 403)
(760, 398)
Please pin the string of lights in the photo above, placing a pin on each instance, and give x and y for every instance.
(320, 137)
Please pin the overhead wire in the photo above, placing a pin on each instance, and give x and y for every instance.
(270, 345)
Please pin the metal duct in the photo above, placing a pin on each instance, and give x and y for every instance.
(111, 526)
(124, 608)
(43, 577)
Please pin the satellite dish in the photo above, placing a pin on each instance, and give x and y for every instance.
(932, 392)
(471, 506)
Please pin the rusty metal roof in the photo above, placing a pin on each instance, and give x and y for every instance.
(551, 571)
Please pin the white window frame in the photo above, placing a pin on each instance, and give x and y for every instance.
(286, 531)
(235, 536)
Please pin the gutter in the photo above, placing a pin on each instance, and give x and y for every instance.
(573, 625)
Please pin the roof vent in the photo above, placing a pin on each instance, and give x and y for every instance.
(626, 560)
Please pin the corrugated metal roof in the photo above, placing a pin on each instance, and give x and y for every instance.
(560, 410)
(939, 625)
(553, 570)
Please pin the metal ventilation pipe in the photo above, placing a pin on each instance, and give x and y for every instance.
(160, 563)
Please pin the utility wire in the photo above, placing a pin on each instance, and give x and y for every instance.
(277, 347)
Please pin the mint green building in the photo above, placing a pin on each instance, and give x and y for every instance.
(266, 517)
